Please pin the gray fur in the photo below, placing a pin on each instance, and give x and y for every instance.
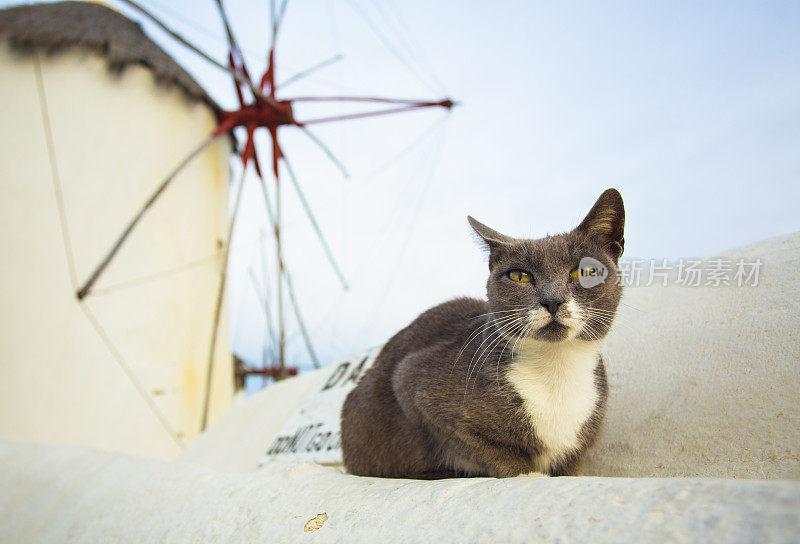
(437, 402)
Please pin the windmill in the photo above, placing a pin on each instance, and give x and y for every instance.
(95, 113)
(260, 110)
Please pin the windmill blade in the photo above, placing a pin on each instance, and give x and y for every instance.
(268, 205)
(218, 305)
(284, 275)
(273, 223)
(234, 46)
(444, 103)
(260, 291)
(267, 297)
(300, 323)
(86, 288)
(277, 19)
(228, 31)
(362, 115)
(395, 51)
(183, 41)
(308, 71)
(325, 149)
(301, 195)
(271, 13)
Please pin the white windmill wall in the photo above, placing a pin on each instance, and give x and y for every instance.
(63, 380)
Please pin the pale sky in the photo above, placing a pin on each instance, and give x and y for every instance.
(690, 109)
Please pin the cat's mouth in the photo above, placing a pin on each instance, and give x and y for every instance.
(564, 324)
(552, 328)
(554, 331)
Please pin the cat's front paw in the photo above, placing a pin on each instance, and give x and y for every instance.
(534, 474)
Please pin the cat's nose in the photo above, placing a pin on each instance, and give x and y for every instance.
(552, 304)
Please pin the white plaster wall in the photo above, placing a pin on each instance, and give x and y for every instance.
(115, 138)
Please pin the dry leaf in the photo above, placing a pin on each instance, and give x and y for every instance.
(315, 523)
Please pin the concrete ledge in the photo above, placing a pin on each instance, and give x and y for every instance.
(58, 494)
(703, 383)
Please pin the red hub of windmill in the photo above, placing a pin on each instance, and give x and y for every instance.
(266, 111)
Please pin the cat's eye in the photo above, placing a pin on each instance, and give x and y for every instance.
(520, 276)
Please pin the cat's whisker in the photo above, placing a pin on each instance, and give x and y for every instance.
(587, 329)
(500, 357)
(525, 332)
(521, 334)
(531, 325)
(501, 334)
(596, 321)
(595, 326)
(522, 338)
(599, 315)
(490, 338)
(632, 307)
(491, 324)
(608, 320)
(593, 334)
(599, 311)
(602, 318)
(508, 324)
(515, 309)
(495, 319)
(489, 350)
(475, 333)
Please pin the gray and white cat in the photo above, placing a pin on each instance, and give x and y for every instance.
(510, 386)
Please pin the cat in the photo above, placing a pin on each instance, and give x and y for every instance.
(513, 385)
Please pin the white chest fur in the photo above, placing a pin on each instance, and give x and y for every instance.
(556, 383)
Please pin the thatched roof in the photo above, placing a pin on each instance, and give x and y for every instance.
(54, 28)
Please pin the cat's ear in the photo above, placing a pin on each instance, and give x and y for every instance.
(606, 222)
(495, 241)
